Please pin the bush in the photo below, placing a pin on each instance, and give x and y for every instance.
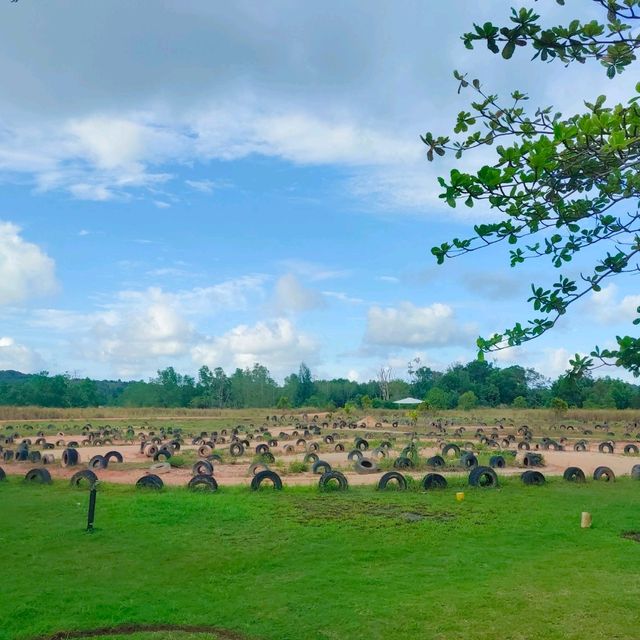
(178, 461)
(467, 401)
(558, 406)
(298, 466)
(520, 402)
(350, 408)
(440, 399)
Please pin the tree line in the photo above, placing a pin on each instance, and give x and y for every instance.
(463, 386)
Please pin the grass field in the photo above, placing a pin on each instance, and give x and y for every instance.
(167, 635)
(132, 415)
(508, 563)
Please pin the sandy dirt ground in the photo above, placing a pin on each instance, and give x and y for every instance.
(137, 464)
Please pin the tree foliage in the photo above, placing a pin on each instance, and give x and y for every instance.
(562, 184)
(467, 401)
(476, 383)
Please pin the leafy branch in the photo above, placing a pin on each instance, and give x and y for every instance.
(562, 184)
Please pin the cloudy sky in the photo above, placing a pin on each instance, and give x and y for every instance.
(191, 182)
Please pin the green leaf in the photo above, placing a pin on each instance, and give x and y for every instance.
(508, 50)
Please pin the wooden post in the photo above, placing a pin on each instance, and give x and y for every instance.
(585, 521)
(91, 515)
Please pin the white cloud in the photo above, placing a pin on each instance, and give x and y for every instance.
(411, 326)
(353, 90)
(60, 320)
(408, 186)
(85, 191)
(553, 362)
(549, 361)
(196, 302)
(18, 356)
(313, 271)
(95, 158)
(100, 158)
(131, 334)
(230, 294)
(291, 295)
(206, 186)
(25, 270)
(277, 343)
(309, 139)
(510, 356)
(172, 272)
(108, 143)
(136, 331)
(142, 333)
(343, 297)
(609, 309)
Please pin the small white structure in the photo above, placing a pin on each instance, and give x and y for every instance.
(408, 401)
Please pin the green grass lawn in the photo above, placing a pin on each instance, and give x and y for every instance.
(163, 635)
(507, 563)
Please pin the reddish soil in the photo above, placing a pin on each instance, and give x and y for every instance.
(237, 473)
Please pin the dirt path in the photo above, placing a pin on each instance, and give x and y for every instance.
(236, 473)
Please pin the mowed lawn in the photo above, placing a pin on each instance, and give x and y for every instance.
(510, 563)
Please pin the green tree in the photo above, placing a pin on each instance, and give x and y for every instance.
(366, 402)
(399, 389)
(305, 385)
(141, 394)
(467, 401)
(252, 387)
(537, 389)
(413, 415)
(291, 384)
(438, 398)
(600, 396)
(622, 393)
(571, 389)
(48, 391)
(423, 378)
(563, 184)
(169, 381)
(511, 383)
(84, 393)
(519, 403)
(349, 408)
(220, 387)
(558, 406)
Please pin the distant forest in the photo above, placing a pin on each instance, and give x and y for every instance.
(475, 384)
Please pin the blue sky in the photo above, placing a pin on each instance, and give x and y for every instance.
(194, 183)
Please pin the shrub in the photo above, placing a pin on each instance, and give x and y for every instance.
(178, 461)
(558, 406)
(467, 401)
(438, 398)
(520, 402)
